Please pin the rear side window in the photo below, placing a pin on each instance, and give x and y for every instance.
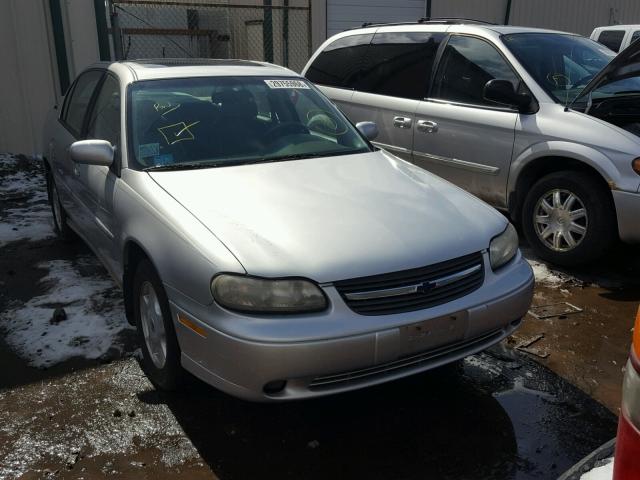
(611, 39)
(76, 107)
(635, 36)
(400, 64)
(340, 63)
(467, 65)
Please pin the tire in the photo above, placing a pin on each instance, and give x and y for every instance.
(60, 226)
(162, 367)
(579, 231)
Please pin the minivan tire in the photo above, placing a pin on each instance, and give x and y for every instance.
(168, 375)
(600, 216)
(60, 226)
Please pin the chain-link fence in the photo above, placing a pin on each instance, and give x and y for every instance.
(278, 33)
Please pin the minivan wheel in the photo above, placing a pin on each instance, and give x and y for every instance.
(156, 333)
(568, 218)
(59, 215)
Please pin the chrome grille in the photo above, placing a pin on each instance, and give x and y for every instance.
(413, 289)
(406, 363)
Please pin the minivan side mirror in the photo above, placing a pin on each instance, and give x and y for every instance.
(92, 152)
(502, 91)
(368, 129)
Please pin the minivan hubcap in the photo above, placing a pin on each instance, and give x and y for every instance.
(153, 325)
(560, 220)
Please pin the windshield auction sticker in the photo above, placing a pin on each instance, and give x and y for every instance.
(286, 84)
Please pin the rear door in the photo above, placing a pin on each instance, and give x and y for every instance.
(70, 129)
(338, 68)
(394, 80)
(458, 134)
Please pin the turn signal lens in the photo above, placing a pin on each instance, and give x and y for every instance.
(636, 336)
(636, 165)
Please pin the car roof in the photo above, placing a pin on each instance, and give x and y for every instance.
(452, 27)
(148, 69)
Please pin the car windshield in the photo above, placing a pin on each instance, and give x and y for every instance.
(563, 64)
(221, 121)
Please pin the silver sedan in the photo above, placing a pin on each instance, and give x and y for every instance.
(262, 243)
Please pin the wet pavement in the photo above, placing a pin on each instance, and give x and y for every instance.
(503, 414)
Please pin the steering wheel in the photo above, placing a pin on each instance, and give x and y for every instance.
(283, 128)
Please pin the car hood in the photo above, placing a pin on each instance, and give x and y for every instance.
(625, 65)
(334, 218)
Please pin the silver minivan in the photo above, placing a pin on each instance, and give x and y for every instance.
(544, 125)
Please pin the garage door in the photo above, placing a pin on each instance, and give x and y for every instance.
(345, 14)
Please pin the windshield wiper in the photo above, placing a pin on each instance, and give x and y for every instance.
(195, 165)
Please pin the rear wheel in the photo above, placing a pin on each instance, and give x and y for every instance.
(156, 333)
(59, 215)
(568, 218)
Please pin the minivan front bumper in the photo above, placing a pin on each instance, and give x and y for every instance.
(244, 367)
(628, 213)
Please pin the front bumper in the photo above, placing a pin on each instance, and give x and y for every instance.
(311, 368)
(628, 213)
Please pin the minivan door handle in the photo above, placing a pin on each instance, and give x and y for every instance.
(427, 126)
(402, 122)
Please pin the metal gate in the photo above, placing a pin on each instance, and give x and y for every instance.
(277, 33)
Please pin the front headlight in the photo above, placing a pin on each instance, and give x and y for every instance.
(503, 247)
(250, 294)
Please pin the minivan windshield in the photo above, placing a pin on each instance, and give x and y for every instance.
(209, 122)
(562, 64)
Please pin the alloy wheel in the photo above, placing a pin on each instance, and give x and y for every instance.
(560, 220)
(152, 323)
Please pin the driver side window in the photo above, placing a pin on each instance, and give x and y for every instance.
(467, 64)
(104, 120)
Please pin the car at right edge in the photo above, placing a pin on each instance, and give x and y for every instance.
(541, 124)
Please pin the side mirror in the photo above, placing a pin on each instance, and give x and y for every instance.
(92, 152)
(368, 129)
(502, 91)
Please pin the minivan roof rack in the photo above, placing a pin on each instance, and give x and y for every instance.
(440, 20)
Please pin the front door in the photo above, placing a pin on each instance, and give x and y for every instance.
(458, 134)
(97, 183)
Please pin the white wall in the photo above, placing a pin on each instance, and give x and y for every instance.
(29, 82)
(342, 15)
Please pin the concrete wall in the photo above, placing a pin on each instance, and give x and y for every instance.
(29, 83)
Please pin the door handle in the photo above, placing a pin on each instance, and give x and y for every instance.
(427, 126)
(402, 122)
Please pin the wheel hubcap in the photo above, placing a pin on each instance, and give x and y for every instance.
(560, 220)
(152, 322)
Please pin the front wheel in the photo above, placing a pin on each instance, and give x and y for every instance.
(568, 218)
(156, 333)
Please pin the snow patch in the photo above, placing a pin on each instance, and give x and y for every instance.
(94, 309)
(545, 276)
(478, 362)
(602, 472)
(33, 220)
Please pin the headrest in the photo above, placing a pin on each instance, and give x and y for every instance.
(236, 102)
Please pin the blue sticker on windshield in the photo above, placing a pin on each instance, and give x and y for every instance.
(148, 150)
(165, 159)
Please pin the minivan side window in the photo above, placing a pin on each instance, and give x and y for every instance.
(467, 64)
(399, 64)
(76, 108)
(340, 63)
(612, 39)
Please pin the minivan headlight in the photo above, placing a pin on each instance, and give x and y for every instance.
(251, 294)
(503, 247)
